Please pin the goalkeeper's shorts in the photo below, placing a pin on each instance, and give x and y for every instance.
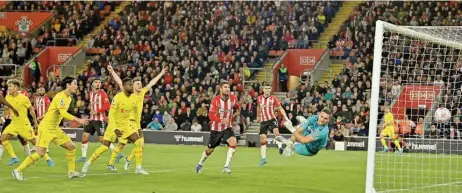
(303, 149)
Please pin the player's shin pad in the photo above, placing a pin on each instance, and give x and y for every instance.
(289, 126)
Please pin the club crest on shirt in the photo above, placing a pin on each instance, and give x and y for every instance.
(315, 133)
(62, 103)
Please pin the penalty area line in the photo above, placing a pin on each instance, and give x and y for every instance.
(422, 187)
(124, 172)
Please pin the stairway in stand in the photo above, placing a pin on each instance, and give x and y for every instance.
(100, 27)
(342, 15)
(265, 75)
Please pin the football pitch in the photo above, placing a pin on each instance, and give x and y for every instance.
(171, 170)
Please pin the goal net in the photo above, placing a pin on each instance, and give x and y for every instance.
(417, 76)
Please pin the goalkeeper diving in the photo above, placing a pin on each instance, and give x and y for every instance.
(310, 137)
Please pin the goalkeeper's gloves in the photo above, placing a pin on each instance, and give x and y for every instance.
(301, 119)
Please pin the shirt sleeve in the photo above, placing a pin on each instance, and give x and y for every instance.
(63, 106)
(310, 121)
(47, 103)
(276, 104)
(213, 111)
(113, 110)
(144, 91)
(236, 104)
(27, 102)
(106, 104)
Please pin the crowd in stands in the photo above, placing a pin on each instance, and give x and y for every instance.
(71, 22)
(349, 92)
(202, 44)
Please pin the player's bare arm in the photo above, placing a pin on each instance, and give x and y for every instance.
(6, 103)
(156, 79)
(258, 113)
(68, 116)
(237, 113)
(283, 112)
(116, 77)
(34, 117)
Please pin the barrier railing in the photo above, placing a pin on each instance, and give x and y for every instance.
(62, 42)
(268, 76)
(308, 75)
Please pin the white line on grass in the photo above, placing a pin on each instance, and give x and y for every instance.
(123, 172)
(422, 187)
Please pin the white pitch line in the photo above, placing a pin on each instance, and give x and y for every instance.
(422, 187)
(123, 172)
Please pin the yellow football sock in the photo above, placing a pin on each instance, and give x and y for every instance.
(397, 144)
(138, 153)
(384, 143)
(46, 156)
(9, 148)
(132, 155)
(70, 157)
(114, 154)
(28, 161)
(97, 153)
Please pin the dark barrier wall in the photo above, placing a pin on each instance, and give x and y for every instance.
(361, 144)
(413, 145)
(255, 139)
(157, 137)
(351, 143)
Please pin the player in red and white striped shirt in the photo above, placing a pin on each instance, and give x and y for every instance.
(41, 103)
(221, 114)
(266, 115)
(99, 104)
(7, 120)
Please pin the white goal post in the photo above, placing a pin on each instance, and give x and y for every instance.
(428, 164)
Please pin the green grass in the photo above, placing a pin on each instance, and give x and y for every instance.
(172, 171)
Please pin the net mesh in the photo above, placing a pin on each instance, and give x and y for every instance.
(420, 73)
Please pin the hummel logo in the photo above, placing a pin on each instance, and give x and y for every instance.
(178, 137)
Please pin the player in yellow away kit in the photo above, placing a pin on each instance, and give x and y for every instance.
(389, 130)
(20, 125)
(123, 105)
(135, 118)
(49, 131)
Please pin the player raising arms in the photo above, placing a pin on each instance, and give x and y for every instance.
(138, 91)
(99, 104)
(310, 137)
(389, 131)
(267, 104)
(20, 125)
(48, 130)
(123, 105)
(221, 115)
